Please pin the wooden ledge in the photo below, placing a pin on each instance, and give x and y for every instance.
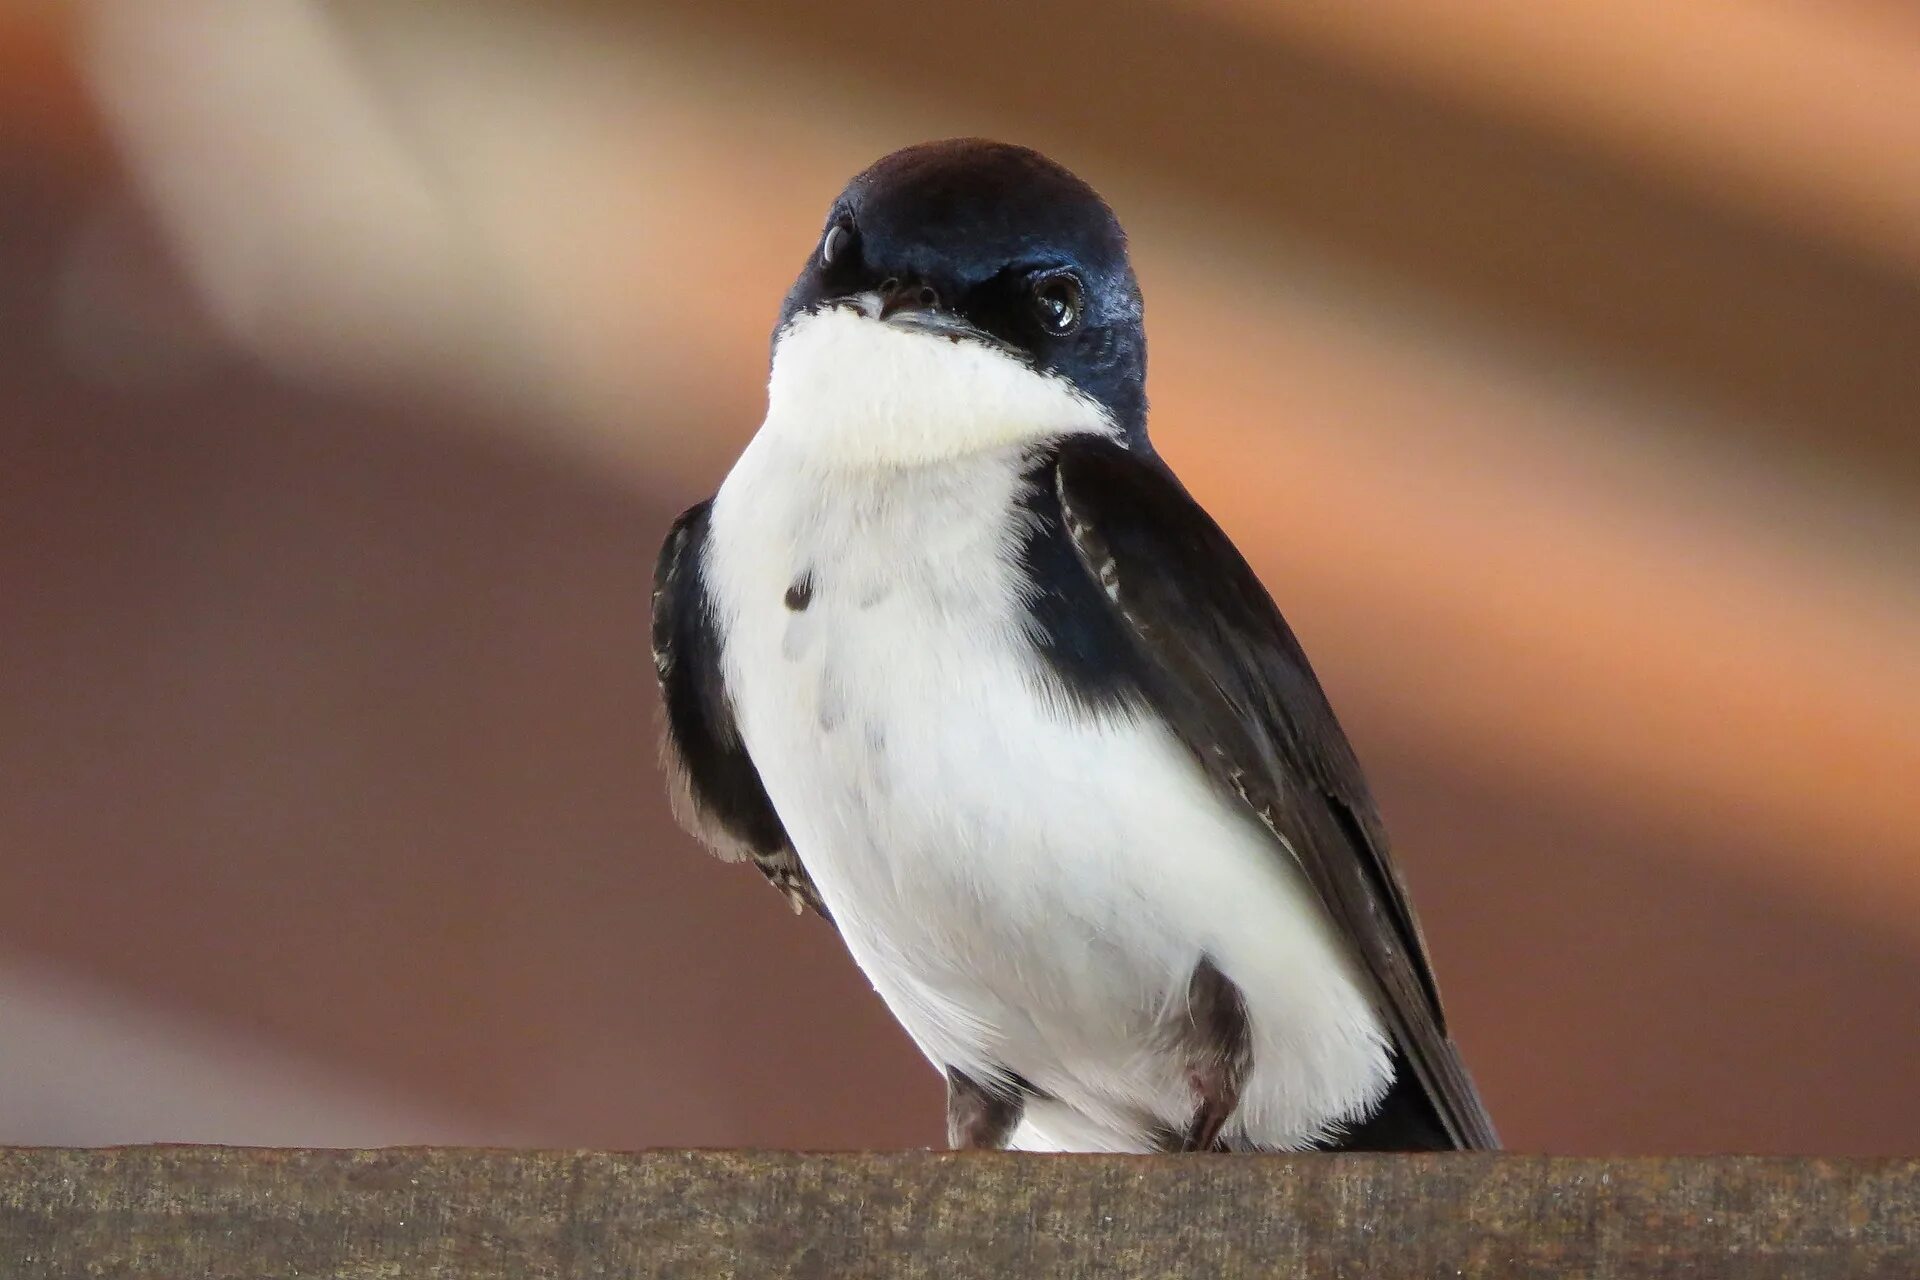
(214, 1213)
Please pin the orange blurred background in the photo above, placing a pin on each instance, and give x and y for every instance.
(1558, 367)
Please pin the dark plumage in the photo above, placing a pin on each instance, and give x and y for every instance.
(715, 788)
(1213, 656)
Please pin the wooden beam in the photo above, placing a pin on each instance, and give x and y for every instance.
(232, 1212)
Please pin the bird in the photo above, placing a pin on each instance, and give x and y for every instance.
(954, 660)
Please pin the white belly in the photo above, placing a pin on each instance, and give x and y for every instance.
(1028, 887)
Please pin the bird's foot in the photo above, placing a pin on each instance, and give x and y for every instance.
(978, 1118)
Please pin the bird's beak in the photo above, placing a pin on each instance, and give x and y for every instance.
(901, 296)
(908, 304)
(916, 308)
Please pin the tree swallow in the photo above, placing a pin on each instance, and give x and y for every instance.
(954, 660)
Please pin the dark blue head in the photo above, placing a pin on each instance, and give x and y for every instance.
(983, 241)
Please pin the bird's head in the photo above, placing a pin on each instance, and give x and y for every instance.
(962, 296)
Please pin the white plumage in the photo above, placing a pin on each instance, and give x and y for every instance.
(1027, 885)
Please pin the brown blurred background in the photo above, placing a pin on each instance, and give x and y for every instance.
(1558, 366)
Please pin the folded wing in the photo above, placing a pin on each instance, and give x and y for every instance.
(1225, 672)
(716, 790)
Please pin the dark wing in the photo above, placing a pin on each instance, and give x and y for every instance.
(1224, 670)
(715, 788)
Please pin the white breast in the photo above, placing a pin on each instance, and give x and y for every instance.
(1028, 887)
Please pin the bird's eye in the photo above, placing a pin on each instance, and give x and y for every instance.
(1057, 300)
(839, 236)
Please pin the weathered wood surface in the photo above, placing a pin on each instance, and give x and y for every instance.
(214, 1213)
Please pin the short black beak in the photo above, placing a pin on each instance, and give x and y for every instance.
(898, 295)
(915, 307)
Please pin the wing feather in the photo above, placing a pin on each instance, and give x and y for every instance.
(716, 791)
(1227, 674)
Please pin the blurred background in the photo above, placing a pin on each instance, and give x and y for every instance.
(1558, 366)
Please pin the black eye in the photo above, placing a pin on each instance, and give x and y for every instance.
(1057, 299)
(839, 236)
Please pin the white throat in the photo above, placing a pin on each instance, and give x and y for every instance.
(851, 390)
